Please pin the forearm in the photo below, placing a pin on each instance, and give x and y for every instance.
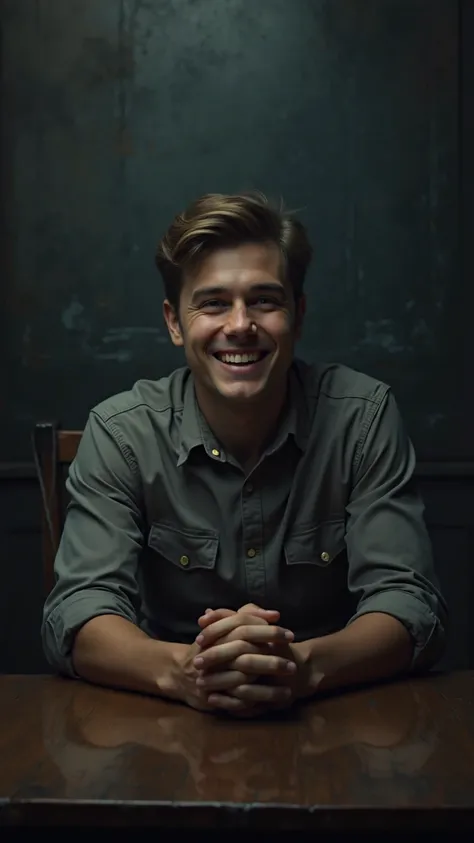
(110, 650)
(374, 646)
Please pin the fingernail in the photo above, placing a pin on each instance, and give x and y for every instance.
(198, 661)
(291, 667)
(289, 635)
(200, 681)
(199, 639)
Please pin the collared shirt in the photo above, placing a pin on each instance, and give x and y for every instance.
(163, 522)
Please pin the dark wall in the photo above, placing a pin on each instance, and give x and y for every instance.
(116, 113)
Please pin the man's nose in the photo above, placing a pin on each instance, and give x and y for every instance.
(238, 321)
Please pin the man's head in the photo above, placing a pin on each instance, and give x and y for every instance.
(233, 268)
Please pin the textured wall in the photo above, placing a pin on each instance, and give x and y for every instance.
(118, 112)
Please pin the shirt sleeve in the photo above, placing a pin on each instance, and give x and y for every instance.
(97, 561)
(391, 566)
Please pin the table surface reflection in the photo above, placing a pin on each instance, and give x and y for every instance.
(398, 755)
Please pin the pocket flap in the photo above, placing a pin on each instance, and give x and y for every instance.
(186, 550)
(317, 546)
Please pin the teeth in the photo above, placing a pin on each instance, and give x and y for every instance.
(239, 358)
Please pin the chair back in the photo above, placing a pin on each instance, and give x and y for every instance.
(53, 450)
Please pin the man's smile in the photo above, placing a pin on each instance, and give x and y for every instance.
(240, 358)
(242, 363)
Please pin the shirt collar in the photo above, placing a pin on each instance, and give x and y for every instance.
(196, 432)
(295, 419)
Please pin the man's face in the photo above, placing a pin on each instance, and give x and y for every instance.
(231, 291)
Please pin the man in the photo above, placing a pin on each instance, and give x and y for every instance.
(246, 531)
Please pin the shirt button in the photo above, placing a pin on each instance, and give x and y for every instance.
(325, 556)
(249, 488)
(184, 561)
(215, 452)
(251, 552)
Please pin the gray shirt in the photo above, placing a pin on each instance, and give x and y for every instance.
(163, 523)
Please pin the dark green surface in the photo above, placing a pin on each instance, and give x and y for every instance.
(117, 113)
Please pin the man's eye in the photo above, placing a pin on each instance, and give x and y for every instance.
(266, 301)
(213, 304)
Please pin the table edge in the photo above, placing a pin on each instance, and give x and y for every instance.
(258, 815)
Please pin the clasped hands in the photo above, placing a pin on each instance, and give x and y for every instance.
(243, 662)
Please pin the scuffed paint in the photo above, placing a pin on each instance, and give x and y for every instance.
(121, 356)
(124, 333)
(120, 343)
(382, 334)
(434, 419)
(72, 315)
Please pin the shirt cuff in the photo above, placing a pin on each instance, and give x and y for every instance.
(424, 627)
(60, 628)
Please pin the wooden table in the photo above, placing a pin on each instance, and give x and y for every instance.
(396, 756)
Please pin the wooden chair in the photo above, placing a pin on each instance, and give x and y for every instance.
(53, 450)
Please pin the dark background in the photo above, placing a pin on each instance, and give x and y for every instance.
(116, 113)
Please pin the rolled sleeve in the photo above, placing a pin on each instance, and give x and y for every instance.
(97, 561)
(391, 567)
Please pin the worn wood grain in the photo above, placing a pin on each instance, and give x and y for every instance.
(396, 756)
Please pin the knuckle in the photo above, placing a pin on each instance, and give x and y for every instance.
(245, 661)
(239, 663)
(241, 650)
(245, 619)
(252, 620)
(241, 692)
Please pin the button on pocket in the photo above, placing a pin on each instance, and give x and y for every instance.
(318, 546)
(186, 549)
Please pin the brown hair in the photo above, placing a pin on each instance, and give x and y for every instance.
(217, 220)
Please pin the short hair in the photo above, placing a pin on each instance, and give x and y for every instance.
(218, 220)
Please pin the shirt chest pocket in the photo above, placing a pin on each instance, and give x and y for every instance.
(318, 546)
(187, 550)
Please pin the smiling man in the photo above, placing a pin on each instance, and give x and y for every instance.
(246, 531)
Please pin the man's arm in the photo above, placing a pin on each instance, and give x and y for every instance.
(401, 617)
(375, 646)
(96, 564)
(109, 650)
(90, 618)
(391, 569)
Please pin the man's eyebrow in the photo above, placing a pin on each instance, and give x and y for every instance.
(268, 287)
(263, 287)
(205, 292)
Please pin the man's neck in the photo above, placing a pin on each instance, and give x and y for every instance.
(243, 431)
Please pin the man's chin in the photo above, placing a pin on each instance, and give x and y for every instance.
(240, 392)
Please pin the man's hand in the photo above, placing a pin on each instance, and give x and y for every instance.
(187, 674)
(296, 680)
(237, 650)
(213, 615)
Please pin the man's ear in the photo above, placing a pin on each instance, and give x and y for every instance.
(172, 323)
(300, 311)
